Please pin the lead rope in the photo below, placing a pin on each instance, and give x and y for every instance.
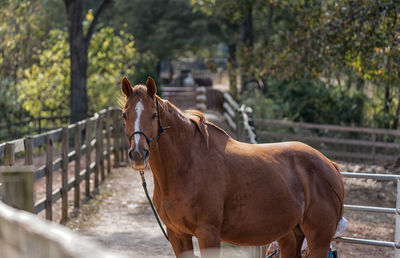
(144, 184)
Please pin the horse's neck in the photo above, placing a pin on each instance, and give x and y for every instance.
(167, 155)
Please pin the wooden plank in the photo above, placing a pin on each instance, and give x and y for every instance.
(339, 141)
(116, 138)
(230, 121)
(56, 195)
(353, 155)
(228, 109)
(108, 142)
(101, 147)
(177, 89)
(88, 152)
(40, 172)
(19, 145)
(28, 151)
(77, 142)
(266, 122)
(49, 176)
(40, 139)
(9, 154)
(64, 175)
(230, 100)
(97, 155)
(17, 186)
(39, 206)
(57, 164)
(2, 149)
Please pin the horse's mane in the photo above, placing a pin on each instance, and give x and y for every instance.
(195, 116)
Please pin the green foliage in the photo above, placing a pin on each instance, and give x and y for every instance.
(19, 34)
(111, 56)
(44, 89)
(309, 100)
(166, 28)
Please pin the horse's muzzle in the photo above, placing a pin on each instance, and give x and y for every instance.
(139, 158)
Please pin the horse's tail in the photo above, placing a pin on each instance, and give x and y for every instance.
(338, 195)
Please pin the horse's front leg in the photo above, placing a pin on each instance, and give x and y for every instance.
(209, 238)
(181, 244)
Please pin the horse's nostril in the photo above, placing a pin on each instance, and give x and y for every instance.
(146, 153)
(130, 154)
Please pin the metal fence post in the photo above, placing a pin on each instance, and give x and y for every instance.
(17, 189)
(397, 225)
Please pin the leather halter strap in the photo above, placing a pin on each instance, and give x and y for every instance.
(160, 129)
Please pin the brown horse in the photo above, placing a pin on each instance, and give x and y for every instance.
(212, 187)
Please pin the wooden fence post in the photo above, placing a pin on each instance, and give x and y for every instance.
(77, 139)
(9, 154)
(28, 151)
(116, 134)
(97, 157)
(108, 135)
(124, 146)
(49, 177)
(17, 186)
(239, 125)
(373, 147)
(88, 152)
(64, 175)
(101, 148)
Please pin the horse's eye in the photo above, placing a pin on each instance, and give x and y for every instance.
(154, 116)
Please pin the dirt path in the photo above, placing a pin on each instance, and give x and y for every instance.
(121, 219)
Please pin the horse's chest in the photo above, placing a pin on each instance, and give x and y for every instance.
(177, 215)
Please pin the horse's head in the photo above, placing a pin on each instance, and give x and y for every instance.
(141, 120)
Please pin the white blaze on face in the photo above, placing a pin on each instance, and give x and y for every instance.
(139, 108)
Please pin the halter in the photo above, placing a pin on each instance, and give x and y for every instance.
(160, 129)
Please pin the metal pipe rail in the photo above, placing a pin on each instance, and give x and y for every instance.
(395, 211)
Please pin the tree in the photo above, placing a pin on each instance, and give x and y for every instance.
(166, 28)
(44, 87)
(79, 45)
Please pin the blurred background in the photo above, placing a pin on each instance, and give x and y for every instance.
(335, 62)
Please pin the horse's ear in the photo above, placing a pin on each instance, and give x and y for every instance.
(126, 87)
(151, 86)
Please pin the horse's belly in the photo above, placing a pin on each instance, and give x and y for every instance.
(261, 225)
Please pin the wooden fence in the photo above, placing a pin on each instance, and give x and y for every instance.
(239, 119)
(339, 142)
(183, 97)
(91, 142)
(23, 234)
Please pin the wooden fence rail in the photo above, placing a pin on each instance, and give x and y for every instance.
(96, 137)
(343, 142)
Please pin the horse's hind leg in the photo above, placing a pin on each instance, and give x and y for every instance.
(291, 243)
(319, 236)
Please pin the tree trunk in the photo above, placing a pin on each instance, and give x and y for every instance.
(232, 70)
(171, 71)
(79, 56)
(269, 29)
(246, 37)
(79, 44)
(396, 119)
